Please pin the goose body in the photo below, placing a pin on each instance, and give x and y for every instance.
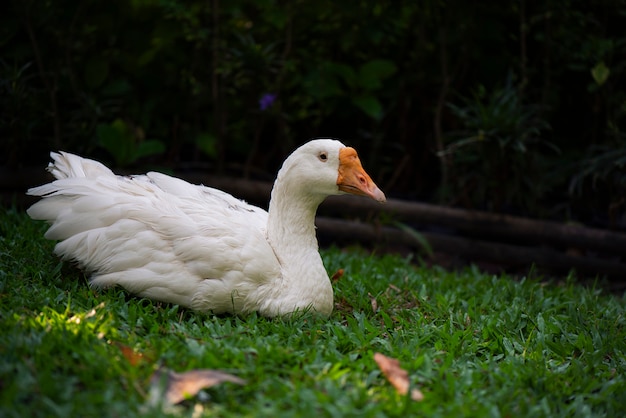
(165, 239)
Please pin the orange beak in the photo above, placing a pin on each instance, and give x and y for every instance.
(353, 179)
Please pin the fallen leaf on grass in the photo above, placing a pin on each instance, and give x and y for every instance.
(373, 302)
(394, 287)
(133, 356)
(176, 387)
(342, 305)
(337, 275)
(397, 376)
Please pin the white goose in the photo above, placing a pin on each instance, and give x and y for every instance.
(162, 238)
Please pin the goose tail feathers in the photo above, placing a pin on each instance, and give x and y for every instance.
(65, 165)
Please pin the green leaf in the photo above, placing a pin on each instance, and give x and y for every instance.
(147, 57)
(147, 148)
(370, 105)
(345, 72)
(322, 85)
(600, 73)
(116, 88)
(373, 72)
(206, 142)
(96, 72)
(277, 17)
(118, 139)
(112, 138)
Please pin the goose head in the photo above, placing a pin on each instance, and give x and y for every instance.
(326, 167)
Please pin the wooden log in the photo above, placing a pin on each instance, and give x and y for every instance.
(483, 224)
(503, 254)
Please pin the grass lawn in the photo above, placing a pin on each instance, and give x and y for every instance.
(475, 344)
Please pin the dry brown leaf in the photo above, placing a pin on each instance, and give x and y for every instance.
(337, 275)
(373, 302)
(176, 387)
(397, 376)
(133, 357)
(396, 288)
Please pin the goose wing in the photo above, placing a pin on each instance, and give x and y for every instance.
(158, 236)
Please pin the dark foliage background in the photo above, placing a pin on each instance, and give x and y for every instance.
(516, 107)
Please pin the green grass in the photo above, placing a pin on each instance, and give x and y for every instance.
(475, 344)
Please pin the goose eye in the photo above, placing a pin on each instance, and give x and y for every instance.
(323, 156)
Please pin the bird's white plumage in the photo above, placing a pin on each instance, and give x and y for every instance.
(165, 239)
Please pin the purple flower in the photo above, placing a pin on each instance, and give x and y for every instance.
(267, 100)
